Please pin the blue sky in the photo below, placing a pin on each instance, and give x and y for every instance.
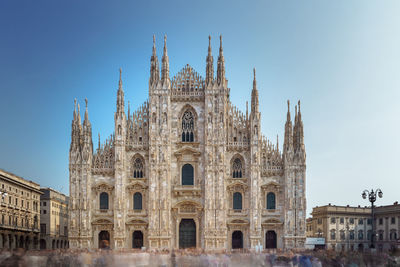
(340, 58)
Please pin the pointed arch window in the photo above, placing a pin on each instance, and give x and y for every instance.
(237, 168)
(187, 175)
(138, 170)
(137, 201)
(188, 127)
(237, 201)
(104, 201)
(271, 204)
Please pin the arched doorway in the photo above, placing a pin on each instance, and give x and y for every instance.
(53, 244)
(42, 244)
(21, 242)
(104, 239)
(187, 233)
(137, 239)
(237, 239)
(360, 248)
(270, 239)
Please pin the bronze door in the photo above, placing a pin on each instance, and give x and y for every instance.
(187, 233)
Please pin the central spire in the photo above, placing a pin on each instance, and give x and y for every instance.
(254, 94)
(210, 64)
(165, 63)
(221, 65)
(120, 94)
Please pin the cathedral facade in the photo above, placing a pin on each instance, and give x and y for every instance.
(187, 169)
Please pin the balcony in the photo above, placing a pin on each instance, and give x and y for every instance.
(136, 145)
(238, 213)
(238, 146)
(187, 190)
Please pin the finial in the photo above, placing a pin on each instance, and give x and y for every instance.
(86, 101)
(299, 106)
(277, 143)
(165, 38)
(75, 103)
(79, 109)
(288, 105)
(220, 40)
(120, 73)
(154, 40)
(254, 70)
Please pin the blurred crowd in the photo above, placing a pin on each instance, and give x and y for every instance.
(192, 257)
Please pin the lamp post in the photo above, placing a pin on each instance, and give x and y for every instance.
(372, 198)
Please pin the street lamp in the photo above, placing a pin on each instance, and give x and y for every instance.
(372, 198)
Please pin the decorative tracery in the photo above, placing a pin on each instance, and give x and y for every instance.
(138, 170)
(187, 126)
(237, 168)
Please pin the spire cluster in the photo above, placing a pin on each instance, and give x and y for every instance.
(81, 134)
(294, 136)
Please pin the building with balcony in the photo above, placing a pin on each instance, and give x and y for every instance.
(20, 217)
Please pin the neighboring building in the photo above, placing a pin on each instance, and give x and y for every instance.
(19, 222)
(350, 228)
(187, 169)
(53, 219)
(387, 219)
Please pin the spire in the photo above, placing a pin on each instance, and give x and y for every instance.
(99, 143)
(210, 64)
(86, 121)
(154, 67)
(129, 110)
(277, 143)
(74, 109)
(247, 110)
(120, 94)
(165, 63)
(221, 65)
(288, 141)
(298, 130)
(295, 129)
(79, 115)
(254, 95)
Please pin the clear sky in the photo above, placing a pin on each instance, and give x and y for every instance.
(340, 58)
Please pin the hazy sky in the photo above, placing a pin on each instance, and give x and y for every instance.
(340, 58)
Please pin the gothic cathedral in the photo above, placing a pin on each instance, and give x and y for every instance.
(187, 169)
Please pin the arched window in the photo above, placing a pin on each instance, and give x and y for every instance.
(137, 201)
(138, 168)
(369, 234)
(393, 234)
(360, 235)
(271, 201)
(237, 201)
(104, 201)
(187, 175)
(237, 169)
(188, 127)
(333, 234)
